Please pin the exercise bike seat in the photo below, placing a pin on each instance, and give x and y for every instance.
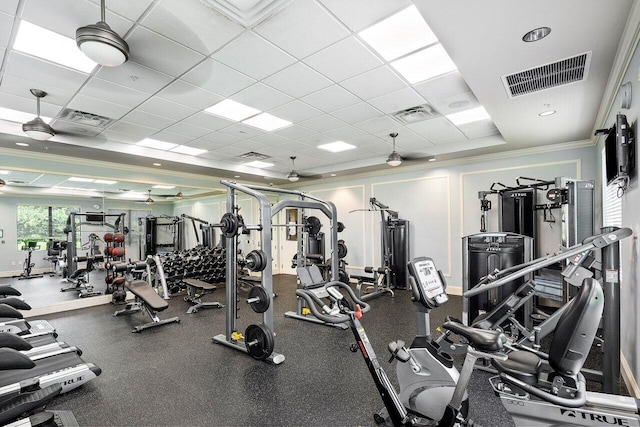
(146, 293)
(480, 339)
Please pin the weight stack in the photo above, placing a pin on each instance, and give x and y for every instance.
(398, 244)
(482, 254)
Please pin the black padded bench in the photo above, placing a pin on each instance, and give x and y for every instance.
(148, 300)
(196, 289)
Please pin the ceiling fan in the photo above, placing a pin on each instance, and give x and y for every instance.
(37, 128)
(395, 159)
(294, 176)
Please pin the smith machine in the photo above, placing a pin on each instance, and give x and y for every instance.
(258, 339)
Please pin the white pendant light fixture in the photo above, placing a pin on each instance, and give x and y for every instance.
(101, 44)
(149, 200)
(293, 175)
(37, 128)
(394, 158)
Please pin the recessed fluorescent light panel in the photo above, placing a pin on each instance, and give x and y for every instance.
(183, 149)
(336, 147)
(259, 164)
(425, 64)
(19, 116)
(266, 122)
(232, 110)
(154, 143)
(468, 116)
(80, 179)
(22, 144)
(104, 181)
(164, 187)
(5, 172)
(399, 34)
(54, 47)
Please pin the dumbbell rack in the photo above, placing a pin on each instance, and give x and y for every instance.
(261, 335)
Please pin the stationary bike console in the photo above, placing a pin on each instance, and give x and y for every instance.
(428, 285)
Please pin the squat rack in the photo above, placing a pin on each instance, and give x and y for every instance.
(231, 338)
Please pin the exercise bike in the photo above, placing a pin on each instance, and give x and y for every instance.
(432, 391)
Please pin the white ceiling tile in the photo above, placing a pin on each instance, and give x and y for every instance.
(229, 151)
(442, 87)
(135, 76)
(21, 87)
(255, 50)
(98, 106)
(111, 92)
(397, 101)
(127, 8)
(456, 103)
(119, 137)
(295, 132)
(331, 99)
(2, 52)
(360, 14)
(241, 131)
(42, 71)
(262, 97)
(9, 6)
(6, 24)
(357, 113)
(193, 24)
(374, 83)
(217, 138)
(66, 16)
(187, 94)
(479, 129)
(133, 130)
(345, 59)
(208, 121)
(271, 139)
(202, 144)
(298, 80)
(168, 109)
(437, 131)
(345, 133)
(28, 105)
(296, 111)
(216, 77)
(249, 145)
(323, 123)
(378, 124)
(187, 130)
(302, 28)
(148, 120)
(161, 53)
(171, 137)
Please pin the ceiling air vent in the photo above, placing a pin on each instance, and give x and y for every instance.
(252, 155)
(569, 70)
(82, 118)
(415, 114)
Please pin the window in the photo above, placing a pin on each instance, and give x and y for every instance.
(36, 225)
(611, 201)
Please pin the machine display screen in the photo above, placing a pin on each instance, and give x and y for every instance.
(429, 278)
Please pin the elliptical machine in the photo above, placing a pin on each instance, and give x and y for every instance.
(431, 391)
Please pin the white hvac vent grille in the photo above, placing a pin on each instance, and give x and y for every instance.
(415, 114)
(252, 155)
(85, 119)
(569, 70)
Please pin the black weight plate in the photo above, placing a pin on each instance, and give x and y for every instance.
(229, 225)
(253, 260)
(340, 227)
(313, 225)
(264, 301)
(259, 341)
(342, 249)
(343, 276)
(264, 258)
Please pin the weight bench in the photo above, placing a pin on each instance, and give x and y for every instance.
(376, 284)
(147, 300)
(196, 289)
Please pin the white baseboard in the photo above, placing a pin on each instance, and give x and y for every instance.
(67, 306)
(13, 273)
(628, 377)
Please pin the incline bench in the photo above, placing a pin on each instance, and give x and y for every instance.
(196, 289)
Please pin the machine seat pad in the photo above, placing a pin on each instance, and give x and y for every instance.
(16, 303)
(146, 293)
(11, 359)
(481, 339)
(8, 312)
(522, 365)
(199, 284)
(9, 340)
(9, 291)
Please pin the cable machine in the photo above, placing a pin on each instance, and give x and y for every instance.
(153, 239)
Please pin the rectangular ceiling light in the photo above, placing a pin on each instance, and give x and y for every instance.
(5, 172)
(19, 116)
(104, 181)
(54, 47)
(259, 164)
(164, 187)
(80, 179)
(154, 143)
(266, 121)
(183, 149)
(399, 34)
(425, 64)
(232, 110)
(468, 116)
(337, 146)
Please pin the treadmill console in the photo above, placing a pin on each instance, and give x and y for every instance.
(427, 282)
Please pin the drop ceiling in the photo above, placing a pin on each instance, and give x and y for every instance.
(306, 62)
